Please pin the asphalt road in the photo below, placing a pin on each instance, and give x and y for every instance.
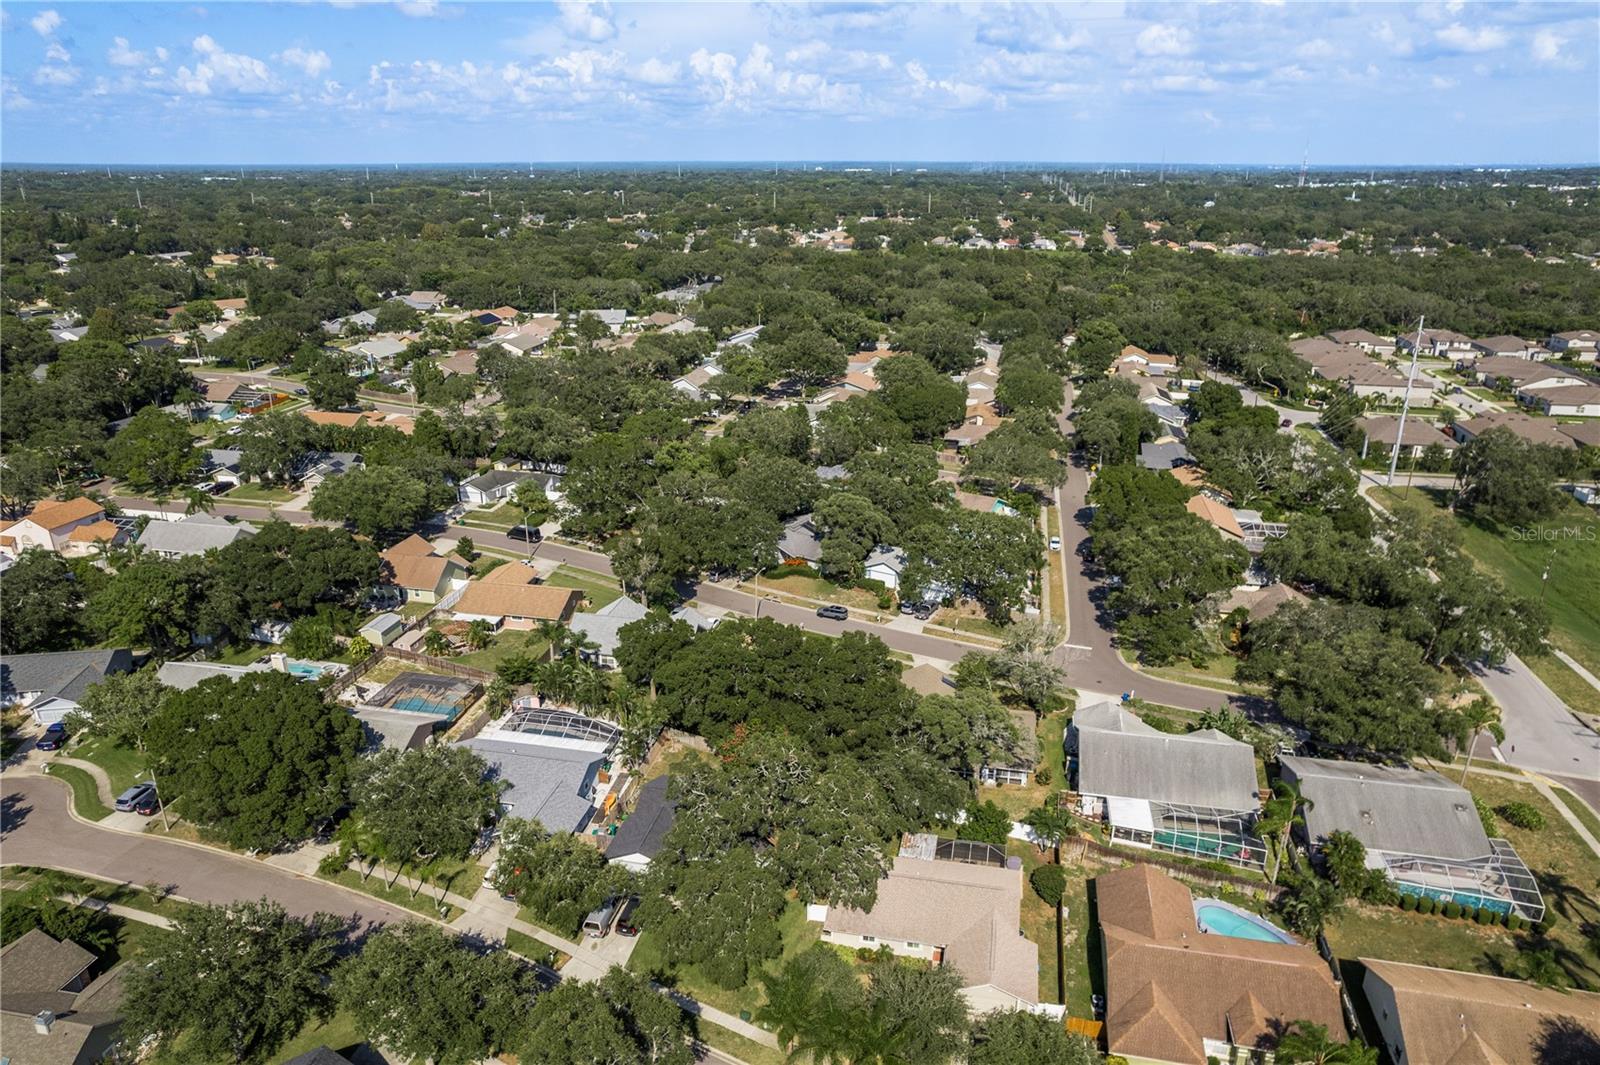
(1541, 733)
(36, 829)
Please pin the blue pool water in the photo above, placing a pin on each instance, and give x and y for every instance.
(300, 669)
(1225, 921)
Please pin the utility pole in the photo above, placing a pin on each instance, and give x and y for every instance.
(1405, 403)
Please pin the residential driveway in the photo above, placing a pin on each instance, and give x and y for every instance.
(36, 829)
(1541, 733)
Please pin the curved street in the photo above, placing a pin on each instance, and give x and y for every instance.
(37, 828)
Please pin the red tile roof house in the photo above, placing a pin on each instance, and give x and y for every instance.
(50, 525)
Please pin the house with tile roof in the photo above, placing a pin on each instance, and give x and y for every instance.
(1176, 993)
(1439, 1015)
(1533, 430)
(49, 525)
(1364, 339)
(951, 913)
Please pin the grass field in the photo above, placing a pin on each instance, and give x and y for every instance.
(426, 902)
(1568, 543)
(123, 765)
(85, 792)
(1039, 920)
(817, 588)
(1580, 810)
(339, 1033)
(244, 654)
(798, 935)
(255, 493)
(503, 646)
(596, 587)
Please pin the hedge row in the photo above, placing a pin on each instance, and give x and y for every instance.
(1457, 911)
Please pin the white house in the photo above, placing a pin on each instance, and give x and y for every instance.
(1574, 401)
(50, 685)
(886, 564)
(1580, 344)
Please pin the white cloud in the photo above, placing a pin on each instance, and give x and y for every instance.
(418, 8)
(1175, 83)
(655, 71)
(1162, 39)
(55, 74)
(1551, 49)
(1442, 83)
(121, 54)
(1316, 48)
(1461, 39)
(587, 21)
(221, 69)
(57, 54)
(313, 63)
(45, 23)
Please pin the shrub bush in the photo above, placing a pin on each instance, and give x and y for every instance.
(866, 954)
(1452, 909)
(1487, 916)
(1514, 922)
(1548, 921)
(1408, 902)
(1523, 815)
(780, 572)
(1049, 883)
(1469, 913)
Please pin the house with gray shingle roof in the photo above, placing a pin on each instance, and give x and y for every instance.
(193, 535)
(50, 684)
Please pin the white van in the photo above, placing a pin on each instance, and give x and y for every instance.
(598, 923)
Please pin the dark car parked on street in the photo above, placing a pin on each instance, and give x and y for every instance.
(528, 534)
(149, 805)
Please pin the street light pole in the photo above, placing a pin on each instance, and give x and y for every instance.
(161, 803)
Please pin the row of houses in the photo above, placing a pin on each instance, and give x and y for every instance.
(1579, 344)
(1198, 794)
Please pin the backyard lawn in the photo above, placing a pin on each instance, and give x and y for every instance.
(816, 588)
(1039, 923)
(1573, 558)
(503, 646)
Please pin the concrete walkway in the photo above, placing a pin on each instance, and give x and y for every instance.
(1540, 784)
(102, 781)
(1577, 667)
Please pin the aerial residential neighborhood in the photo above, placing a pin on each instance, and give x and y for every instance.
(863, 595)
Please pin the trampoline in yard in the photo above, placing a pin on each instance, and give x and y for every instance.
(426, 693)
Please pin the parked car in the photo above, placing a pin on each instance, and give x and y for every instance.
(148, 805)
(133, 796)
(54, 738)
(833, 612)
(1055, 543)
(1285, 424)
(626, 926)
(598, 923)
(920, 611)
(528, 534)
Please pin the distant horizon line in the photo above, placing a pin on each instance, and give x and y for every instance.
(814, 165)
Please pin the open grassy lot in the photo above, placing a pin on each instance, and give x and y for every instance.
(1568, 874)
(426, 901)
(817, 588)
(798, 935)
(499, 518)
(243, 654)
(1568, 543)
(339, 1033)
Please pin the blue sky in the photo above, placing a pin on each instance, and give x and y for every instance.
(1359, 83)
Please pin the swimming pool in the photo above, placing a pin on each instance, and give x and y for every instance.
(1224, 920)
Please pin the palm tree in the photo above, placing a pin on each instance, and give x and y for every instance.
(556, 634)
(592, 690)
(479, 634)
(1051, 823)
(196, 501)
(436, 643)
(497, 696)
(1481, 716)
(1279, 815)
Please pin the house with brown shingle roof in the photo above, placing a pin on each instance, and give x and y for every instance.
(1221, 517)
(50, 525)
(1177, 994)
(508, 598)
(950, 913)
(1534, 430)
(1438, 1015)
(422, 574)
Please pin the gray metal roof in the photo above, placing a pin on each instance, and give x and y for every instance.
(395, 728)
(61, 674)
(550, 784)
(191, 536)
(647, 826)
(1395, 809)
(1120, 755)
